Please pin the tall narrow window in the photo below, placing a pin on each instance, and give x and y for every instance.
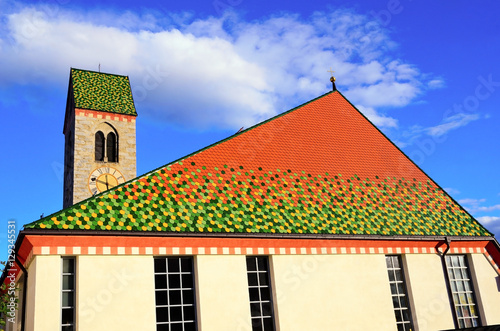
(259, 288)
(462, 291)
(174, 292)
(68, 294)
(99, 146)
(399, 293)
(111, 147)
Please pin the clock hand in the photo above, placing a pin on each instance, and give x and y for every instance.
(107, 185)
(100, 181)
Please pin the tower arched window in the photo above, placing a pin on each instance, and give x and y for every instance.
(106, 143)
(99, 146)
(111, 147)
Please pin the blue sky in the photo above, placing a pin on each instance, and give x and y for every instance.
(425, 72)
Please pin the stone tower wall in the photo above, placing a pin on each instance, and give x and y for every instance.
(86, 124)
(69, 158)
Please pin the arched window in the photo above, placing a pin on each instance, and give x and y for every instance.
(106, 143)
(99, 146)
(111, 147)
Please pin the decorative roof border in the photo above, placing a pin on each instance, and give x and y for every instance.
(106, 116)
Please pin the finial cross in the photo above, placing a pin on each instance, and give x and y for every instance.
(332, 79)
(331, 71)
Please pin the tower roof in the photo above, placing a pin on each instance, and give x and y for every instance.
(103, 92)
(320, 168)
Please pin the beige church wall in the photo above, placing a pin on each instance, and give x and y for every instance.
(43, 311)
(115, 293)
(487, 287)
(222, 293)
(84, 154)
(332, 292)
(426, 284)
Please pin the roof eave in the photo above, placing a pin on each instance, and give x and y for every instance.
(67, 232)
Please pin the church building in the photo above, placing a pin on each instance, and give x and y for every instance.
(310, 220)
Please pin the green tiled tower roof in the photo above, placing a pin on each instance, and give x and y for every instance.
(100, 91)
(321, 168)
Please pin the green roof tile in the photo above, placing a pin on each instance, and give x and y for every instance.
(194, 198)
(104, 92)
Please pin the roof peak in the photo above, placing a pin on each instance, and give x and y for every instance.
(97, 72)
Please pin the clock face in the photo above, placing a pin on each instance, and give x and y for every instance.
(104, 178)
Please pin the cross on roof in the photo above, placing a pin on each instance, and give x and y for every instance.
(332, 79)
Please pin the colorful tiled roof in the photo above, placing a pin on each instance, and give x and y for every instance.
(321, 168)
(103, 92)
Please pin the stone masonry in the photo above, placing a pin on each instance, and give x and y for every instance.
(83, 161)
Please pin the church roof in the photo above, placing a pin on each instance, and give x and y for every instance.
(320, 168)
(100, 91)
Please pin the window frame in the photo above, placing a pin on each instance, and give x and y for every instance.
(158, 273)
(269, 286)
(397, 293)
(470, 293)
(64, 326)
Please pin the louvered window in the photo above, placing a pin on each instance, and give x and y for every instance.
(111, 147)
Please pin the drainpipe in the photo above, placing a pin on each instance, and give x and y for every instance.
(25, 289)
(447, 242)
(447, 278)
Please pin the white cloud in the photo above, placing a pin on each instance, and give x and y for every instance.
(489, 208)
(472, 202)
(385, 93)
(475, 205)
(415, 132)
(488, 219)
(222, 71)
(452, 123)
(378, 119)
(436, 84)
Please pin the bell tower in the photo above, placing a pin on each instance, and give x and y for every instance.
(99, 130)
